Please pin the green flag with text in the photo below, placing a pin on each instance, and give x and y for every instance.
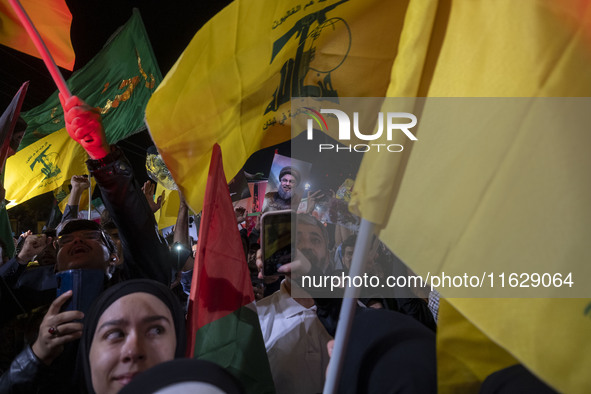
(119, 80)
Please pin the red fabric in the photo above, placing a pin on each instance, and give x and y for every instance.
(51, 18)
(221, 279)
(8, 122)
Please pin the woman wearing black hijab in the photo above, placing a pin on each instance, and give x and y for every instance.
(389, 352)
(131, 327)
(185, 376)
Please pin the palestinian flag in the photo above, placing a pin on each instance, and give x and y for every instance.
(223, 325)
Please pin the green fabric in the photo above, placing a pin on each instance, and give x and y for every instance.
(235, 342)
(119, 80)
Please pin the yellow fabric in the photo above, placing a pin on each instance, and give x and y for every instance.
(465, 355)
(167, 214)
(51, 18)
(43, 166)
(233, 83)
(432, 220)
(548, 336)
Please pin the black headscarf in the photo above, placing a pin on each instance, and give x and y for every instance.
(514, 379)
(171, 374)
(389, 352)
(111, 295)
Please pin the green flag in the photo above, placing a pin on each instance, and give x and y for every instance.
(119, 80)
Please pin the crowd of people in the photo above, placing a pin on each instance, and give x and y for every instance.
(101, 338)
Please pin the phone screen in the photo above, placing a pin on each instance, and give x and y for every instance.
(276, 240)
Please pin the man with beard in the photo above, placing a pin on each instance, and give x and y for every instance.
(284, 197)
(295, 339)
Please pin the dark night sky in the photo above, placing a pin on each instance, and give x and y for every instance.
(170, 26)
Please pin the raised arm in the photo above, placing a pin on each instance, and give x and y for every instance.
(146, 253)
(79, 183)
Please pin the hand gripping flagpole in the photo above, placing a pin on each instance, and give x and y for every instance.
(40, 45)
(347, 314)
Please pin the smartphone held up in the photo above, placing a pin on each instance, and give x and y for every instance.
(277, 247)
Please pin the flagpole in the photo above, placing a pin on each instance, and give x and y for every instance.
(89, 195)
(362, 246)
(57, 76)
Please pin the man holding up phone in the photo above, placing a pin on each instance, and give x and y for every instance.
(295, 339)
(82, 244)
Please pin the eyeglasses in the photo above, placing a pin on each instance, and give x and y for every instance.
(289, 181)
(90, 235)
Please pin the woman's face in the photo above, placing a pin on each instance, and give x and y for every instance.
(134, 333)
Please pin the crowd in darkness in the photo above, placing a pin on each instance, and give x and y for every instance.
(130, 318)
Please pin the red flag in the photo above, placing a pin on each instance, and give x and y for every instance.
(222, 323)
(52, 18)
(8, 121)
(221, 279)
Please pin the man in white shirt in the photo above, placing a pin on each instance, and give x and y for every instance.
(294, 337)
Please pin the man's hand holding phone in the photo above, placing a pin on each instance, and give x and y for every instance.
(300, 266)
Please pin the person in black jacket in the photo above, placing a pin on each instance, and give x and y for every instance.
(146, 253)
(48, 363)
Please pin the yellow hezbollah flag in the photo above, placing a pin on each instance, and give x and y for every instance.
(448, 202)
(51, 18)
(43, 166)
(234, 82)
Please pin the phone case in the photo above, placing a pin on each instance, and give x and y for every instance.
(276, 240)
(85, 284)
